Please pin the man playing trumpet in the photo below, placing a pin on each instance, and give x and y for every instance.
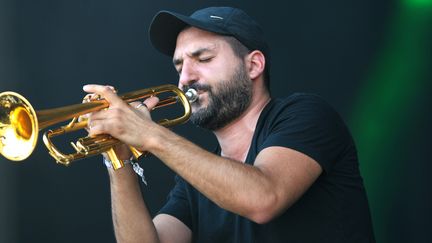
(286, 170)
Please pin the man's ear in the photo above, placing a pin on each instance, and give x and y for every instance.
(256, 64)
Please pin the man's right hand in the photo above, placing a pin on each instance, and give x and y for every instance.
(121, 150)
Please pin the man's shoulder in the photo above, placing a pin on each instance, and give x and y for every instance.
(301, 102)
(301, 110)
(303, 98)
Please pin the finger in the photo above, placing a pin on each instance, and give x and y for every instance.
(99, 115)
(87, 98)
(105, 91)
(136, 104)
(83, 117)
(99, 126)
(96, 129)
(151, 102)
(95, 97)
(109, 86)
(112, 88)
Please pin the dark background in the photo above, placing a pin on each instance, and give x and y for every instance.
(370, 59)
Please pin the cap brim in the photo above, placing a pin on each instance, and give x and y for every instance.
(166, 26)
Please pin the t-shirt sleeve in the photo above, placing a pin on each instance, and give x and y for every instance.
(177, 203)
(309, 125)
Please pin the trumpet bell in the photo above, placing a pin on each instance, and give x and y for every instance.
(18, 126)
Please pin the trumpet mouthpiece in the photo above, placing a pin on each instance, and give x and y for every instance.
(191, 95)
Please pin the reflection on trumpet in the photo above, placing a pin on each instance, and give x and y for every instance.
(20, 124)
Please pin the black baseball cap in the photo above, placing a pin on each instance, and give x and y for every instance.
(166, 26)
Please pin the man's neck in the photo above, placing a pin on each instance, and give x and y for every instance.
(236, 137)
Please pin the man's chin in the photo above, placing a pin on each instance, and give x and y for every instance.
(196, 107)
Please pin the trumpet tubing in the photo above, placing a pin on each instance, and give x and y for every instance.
(20, 124)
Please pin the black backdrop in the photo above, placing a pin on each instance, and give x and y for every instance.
(49, 49)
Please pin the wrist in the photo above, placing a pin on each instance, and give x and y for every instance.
(109, 164)
(131, 163)
(124, 177)
(152, 140)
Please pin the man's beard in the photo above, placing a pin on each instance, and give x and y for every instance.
(227, 100)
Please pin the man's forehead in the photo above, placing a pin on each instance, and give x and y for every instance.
(194, 38)
(193, 32)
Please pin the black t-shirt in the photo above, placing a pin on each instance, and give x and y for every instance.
(334, 209)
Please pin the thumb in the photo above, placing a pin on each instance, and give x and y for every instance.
(106, 92)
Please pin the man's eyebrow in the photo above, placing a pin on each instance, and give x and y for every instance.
(196, 53)
(200, 51)
(177, 61)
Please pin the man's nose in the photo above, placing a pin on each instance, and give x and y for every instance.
(188, 74)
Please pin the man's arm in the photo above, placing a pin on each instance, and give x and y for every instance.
(131, 218)
(260, 192)
(170, 229)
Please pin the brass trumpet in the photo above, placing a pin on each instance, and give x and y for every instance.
(20, 124)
